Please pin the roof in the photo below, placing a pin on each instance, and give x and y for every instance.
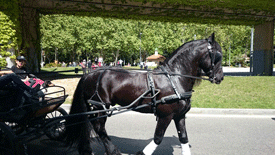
(155, 57)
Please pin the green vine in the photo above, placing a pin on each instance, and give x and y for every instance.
(9, 29)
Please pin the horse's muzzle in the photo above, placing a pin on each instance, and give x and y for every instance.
(216, 80)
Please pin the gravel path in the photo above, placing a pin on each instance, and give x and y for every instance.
(69, 84)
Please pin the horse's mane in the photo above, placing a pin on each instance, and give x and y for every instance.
(186, 47)
(198, 81)
(173, 54)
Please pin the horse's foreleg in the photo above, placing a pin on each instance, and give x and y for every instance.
(180, 125)
(162, 125)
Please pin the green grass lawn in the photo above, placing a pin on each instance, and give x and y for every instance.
(236, 92)
(60, 69)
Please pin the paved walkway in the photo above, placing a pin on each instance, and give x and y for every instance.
(236, 69)
(220, 111)
(239, 71)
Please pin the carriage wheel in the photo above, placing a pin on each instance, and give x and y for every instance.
(56, 131)
(8, 142)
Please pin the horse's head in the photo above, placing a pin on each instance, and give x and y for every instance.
(211, 62)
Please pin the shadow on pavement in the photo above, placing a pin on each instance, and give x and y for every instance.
(46, 146)
(131, 146)
(128, 146)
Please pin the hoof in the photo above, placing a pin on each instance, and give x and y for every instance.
(140, 153)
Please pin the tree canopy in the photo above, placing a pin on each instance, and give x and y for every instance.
(79, 37)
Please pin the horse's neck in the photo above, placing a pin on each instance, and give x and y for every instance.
(186, 62)
(183, 63)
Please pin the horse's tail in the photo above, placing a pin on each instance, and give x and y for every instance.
(78, 127)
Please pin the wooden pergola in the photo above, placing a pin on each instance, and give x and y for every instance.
(261, 14)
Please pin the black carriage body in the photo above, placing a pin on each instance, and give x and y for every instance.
(25, 120)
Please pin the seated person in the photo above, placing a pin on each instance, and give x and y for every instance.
(19, 68)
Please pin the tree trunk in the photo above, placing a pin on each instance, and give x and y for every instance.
(29, 20)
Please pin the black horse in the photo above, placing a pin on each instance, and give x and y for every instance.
(175, 78)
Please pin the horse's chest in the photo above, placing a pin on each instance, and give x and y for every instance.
(177, 108)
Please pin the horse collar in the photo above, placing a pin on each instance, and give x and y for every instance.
(172, 84)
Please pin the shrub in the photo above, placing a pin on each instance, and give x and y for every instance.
(52, 64)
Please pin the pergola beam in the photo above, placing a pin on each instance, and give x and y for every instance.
(177, 11)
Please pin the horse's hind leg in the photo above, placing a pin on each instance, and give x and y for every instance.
(84, 146)
(110, 148)
(181, 128)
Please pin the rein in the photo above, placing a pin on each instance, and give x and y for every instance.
(187, 76)
(157, 73)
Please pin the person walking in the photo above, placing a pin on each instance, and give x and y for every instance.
(89, 66)
(83, 66)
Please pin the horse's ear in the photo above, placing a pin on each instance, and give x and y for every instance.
(211, 39)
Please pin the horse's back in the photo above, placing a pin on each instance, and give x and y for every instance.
(115, 85)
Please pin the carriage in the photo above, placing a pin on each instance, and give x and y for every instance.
(24, 120)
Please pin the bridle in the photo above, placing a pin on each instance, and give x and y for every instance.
(212, 77)
(213, 56)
